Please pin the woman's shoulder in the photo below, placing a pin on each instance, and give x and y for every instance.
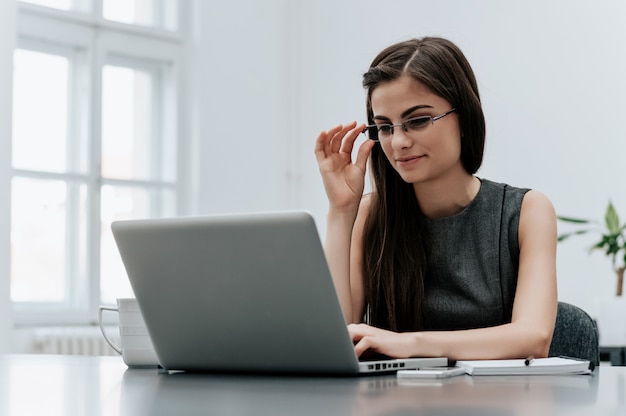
(526, 205)
(502, 186)
(518, 200)
(509, 195)
(537, 201)
(527, 196)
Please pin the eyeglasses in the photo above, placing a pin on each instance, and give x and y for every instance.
(378, 132)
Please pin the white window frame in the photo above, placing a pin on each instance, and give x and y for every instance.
(103, 42)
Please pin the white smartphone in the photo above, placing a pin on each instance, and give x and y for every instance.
(432, 372)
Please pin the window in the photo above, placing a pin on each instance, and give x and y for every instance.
(96, 138)
(154, 13)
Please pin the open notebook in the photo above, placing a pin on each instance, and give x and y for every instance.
(543, 366)
(241, 293)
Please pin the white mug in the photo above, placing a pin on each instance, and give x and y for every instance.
(136, 346)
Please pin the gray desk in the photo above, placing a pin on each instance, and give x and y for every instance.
(74, 385)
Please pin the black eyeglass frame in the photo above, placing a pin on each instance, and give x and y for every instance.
(376, 127)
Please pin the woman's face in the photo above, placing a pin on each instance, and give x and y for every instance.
(422, 155)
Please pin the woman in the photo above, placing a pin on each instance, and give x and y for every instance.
(435, 261)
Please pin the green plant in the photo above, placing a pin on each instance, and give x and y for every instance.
(613, 241)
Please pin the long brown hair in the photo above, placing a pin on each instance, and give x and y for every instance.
(395, 242)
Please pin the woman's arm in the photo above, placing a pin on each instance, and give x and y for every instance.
(344, 182)
(534, 307)
(356, 261)
(337, 249)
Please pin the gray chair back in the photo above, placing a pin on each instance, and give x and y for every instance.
(575, 334)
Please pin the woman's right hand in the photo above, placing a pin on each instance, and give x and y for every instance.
(344, 181)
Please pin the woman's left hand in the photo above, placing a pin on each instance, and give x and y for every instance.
(389, 343)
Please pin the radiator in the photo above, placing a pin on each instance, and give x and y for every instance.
(80, 340)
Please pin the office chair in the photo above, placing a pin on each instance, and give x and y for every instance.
(575, 334)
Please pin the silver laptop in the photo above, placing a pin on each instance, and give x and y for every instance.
(241, 293)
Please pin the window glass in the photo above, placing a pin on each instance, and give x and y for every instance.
(40, 111)
(56, 4)
(126, 123)
(67, 5)
(46, 218)
(158, 13)
(121, 203)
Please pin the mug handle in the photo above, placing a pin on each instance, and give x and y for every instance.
(105, 308)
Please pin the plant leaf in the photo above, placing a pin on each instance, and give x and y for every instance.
(597, 247)
(573, 220)
(612, 220)
(612, 249)
(600, 244)
(565, 236)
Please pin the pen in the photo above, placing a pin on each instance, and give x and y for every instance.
(529, 360)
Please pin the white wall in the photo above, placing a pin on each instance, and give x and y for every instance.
(551, 76)
(7, 43)
(244, 105)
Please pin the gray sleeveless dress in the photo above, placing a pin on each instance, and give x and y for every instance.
(473, 260)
